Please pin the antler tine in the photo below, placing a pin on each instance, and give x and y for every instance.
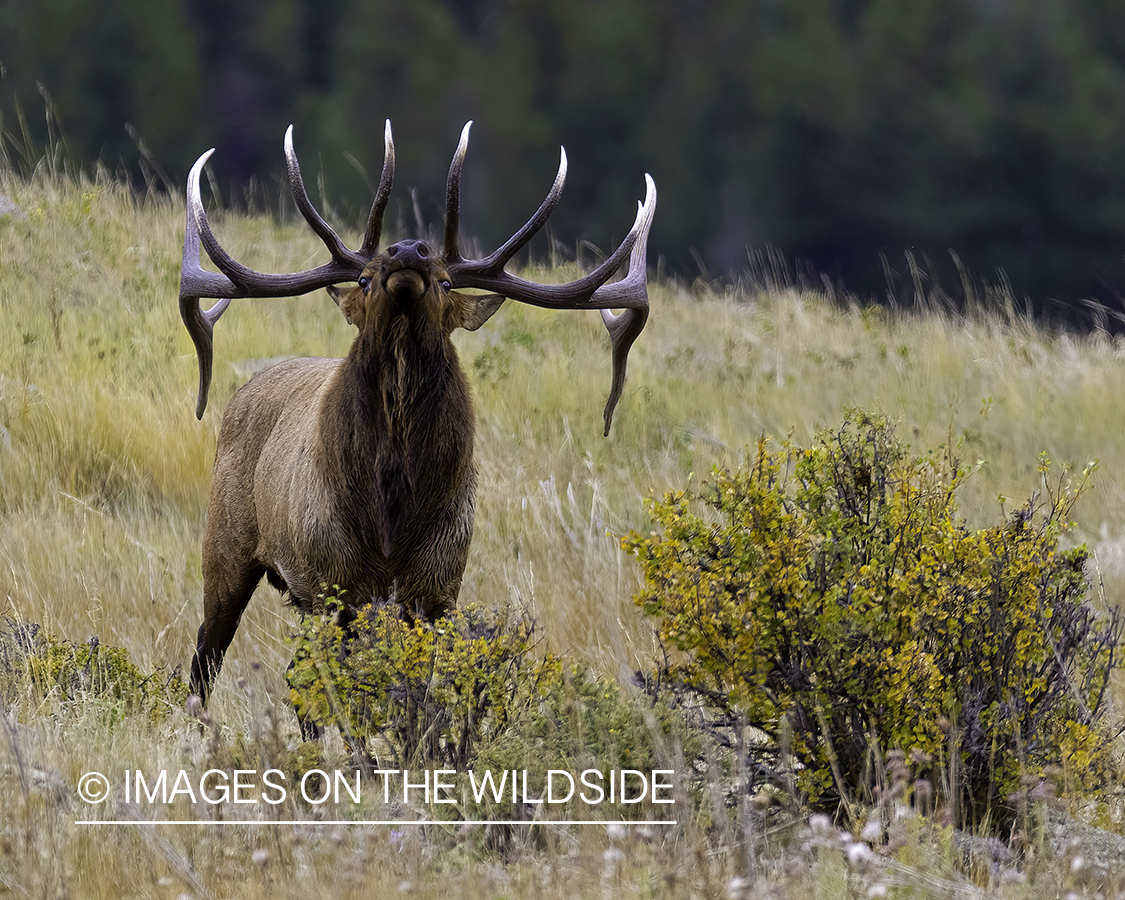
(237, 280)
(196, 282)
(450, 253)
(496, 261)
(630, 294)
(631, 291)
(375, 220)
(500, 258)
(323, 230)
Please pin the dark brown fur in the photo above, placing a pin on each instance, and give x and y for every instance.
(353, 474)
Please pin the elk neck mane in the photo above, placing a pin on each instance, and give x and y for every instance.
(399, 373)
(396, 423)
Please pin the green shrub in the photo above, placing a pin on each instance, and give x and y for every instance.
(833, 599)
(589, 722)
(433, 691)
(41, 666)
(472, 691)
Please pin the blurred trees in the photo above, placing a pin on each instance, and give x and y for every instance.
(839, 131)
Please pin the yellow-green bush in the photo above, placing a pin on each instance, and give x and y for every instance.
(832, 598)
(36, 666)
(433, 691)
(472, 691)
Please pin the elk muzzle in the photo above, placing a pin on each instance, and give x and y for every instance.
(407, 270)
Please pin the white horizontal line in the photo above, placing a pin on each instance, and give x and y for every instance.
(368, 822)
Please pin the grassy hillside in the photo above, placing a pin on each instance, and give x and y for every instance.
(104, 473)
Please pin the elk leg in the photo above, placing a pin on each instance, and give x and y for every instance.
(310, 728)
(225, 598)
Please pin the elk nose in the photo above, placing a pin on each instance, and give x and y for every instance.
(409, 252)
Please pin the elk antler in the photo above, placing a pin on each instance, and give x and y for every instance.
(238, 281)
(630, 294)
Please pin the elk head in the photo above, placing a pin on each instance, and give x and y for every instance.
(416, 282)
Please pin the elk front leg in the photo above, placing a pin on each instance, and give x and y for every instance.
(225, 597)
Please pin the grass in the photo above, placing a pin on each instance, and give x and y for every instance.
(104, 474)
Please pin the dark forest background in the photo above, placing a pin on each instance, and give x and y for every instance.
(844, 134)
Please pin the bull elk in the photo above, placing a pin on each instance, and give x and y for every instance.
(357, 473)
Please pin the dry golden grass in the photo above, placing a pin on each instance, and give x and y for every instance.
(104, 474)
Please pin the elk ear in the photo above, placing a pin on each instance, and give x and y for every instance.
(349, 300)
(475, 309)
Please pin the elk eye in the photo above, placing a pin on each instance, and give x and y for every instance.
(364, 283)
